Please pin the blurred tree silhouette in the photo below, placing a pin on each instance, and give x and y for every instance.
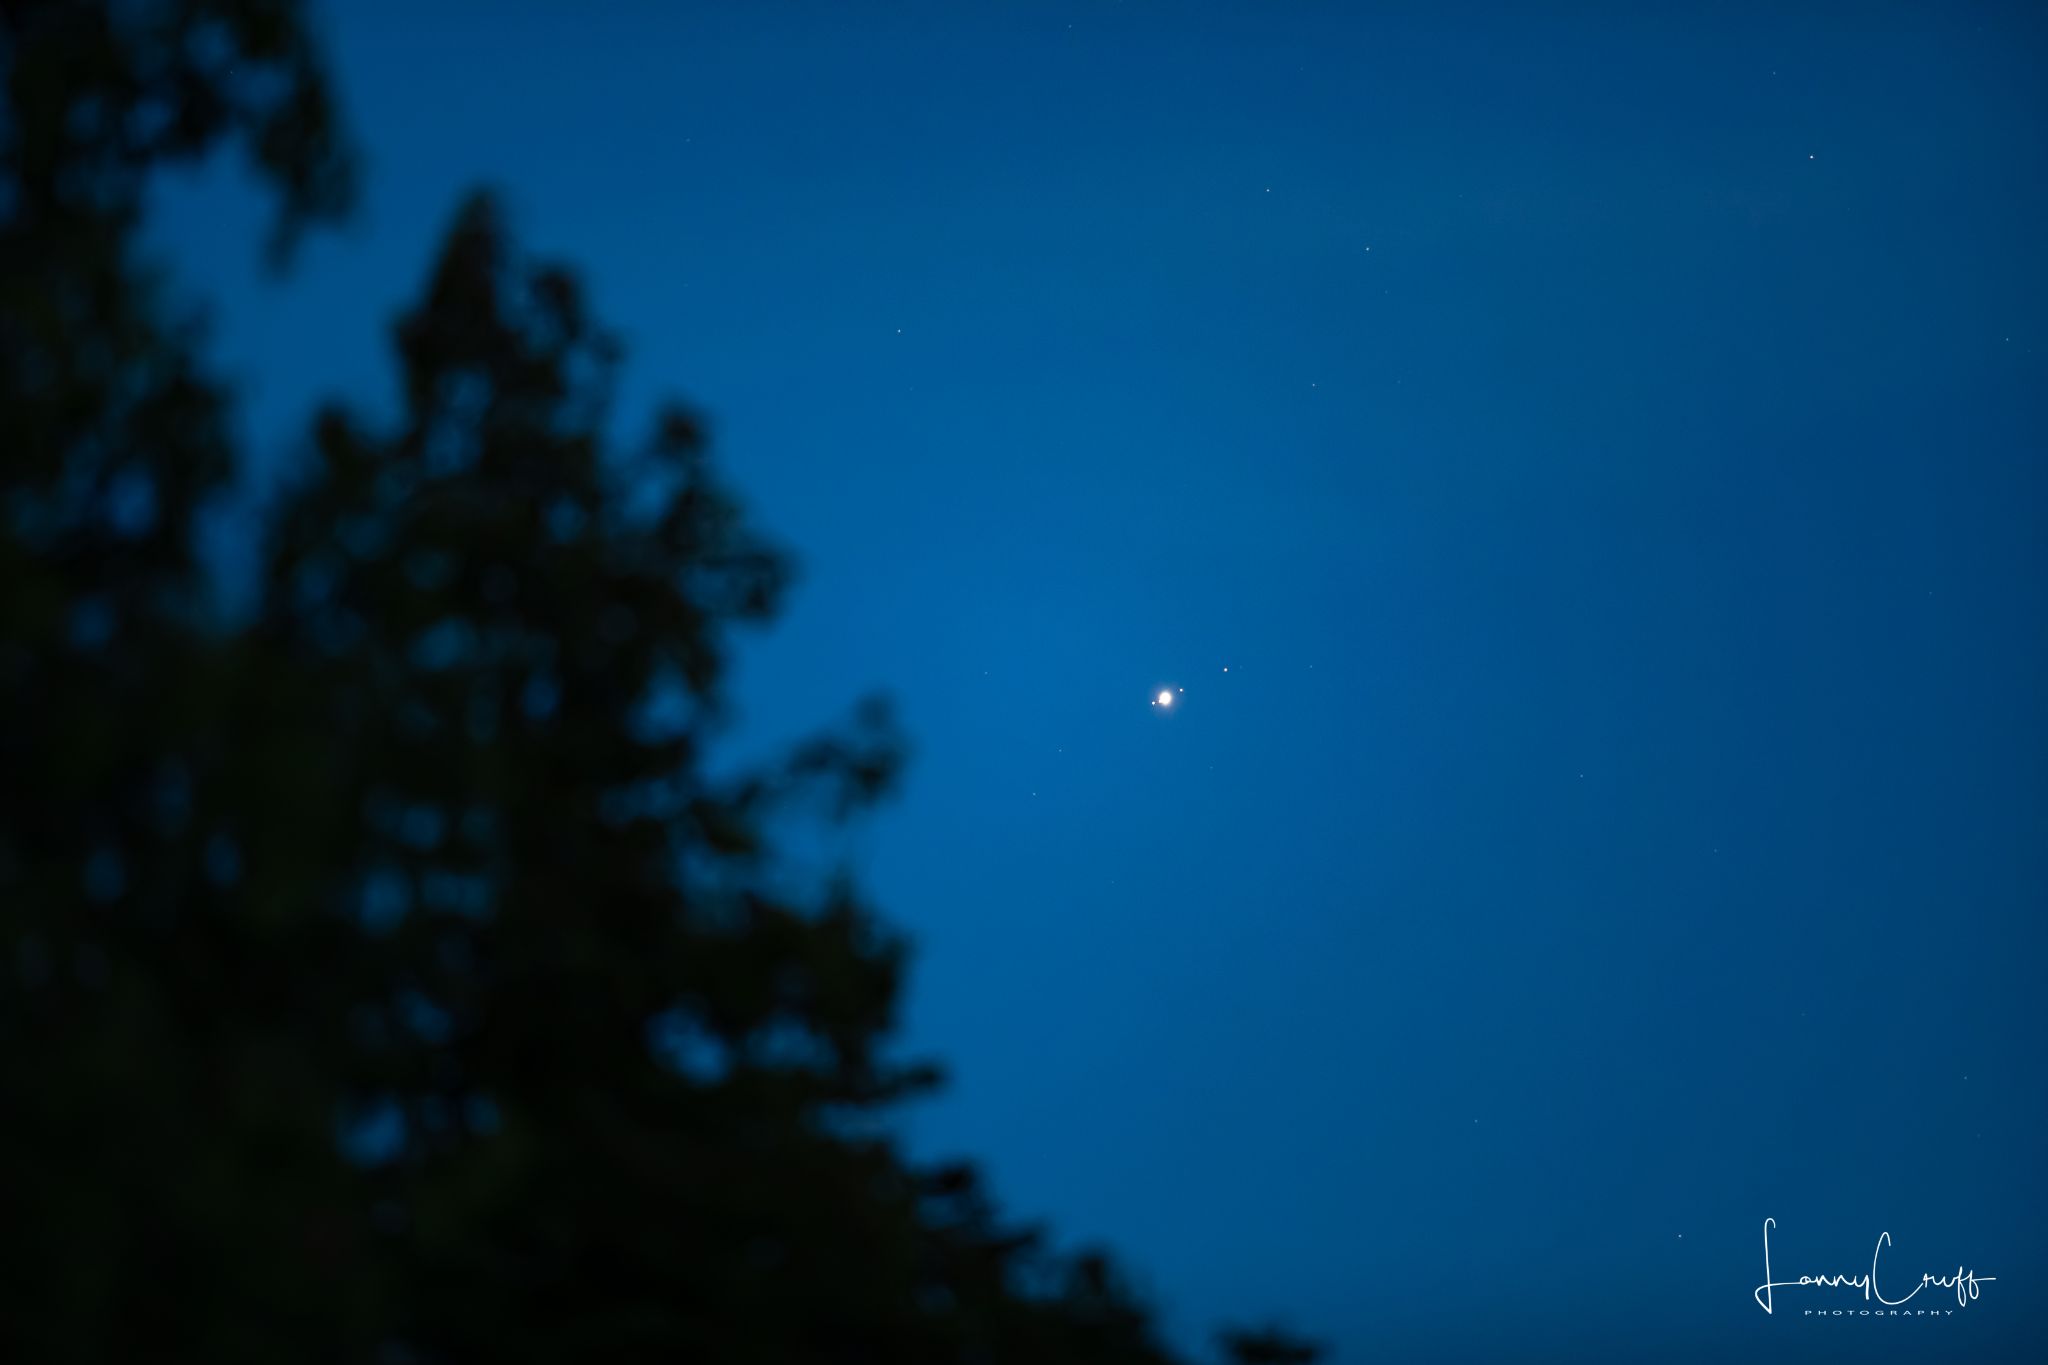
(384, 978)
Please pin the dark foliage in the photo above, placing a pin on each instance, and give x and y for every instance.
(383, 977)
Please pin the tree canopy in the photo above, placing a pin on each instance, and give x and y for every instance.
(384, 976)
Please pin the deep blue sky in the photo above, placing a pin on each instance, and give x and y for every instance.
(1605, 450)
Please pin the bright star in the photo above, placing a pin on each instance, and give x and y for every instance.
(1165, 698)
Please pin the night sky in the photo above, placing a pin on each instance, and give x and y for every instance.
(1586, 472)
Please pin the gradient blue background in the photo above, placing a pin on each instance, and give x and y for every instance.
(1606, 450)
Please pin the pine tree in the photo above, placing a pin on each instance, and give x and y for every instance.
(385, 976)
